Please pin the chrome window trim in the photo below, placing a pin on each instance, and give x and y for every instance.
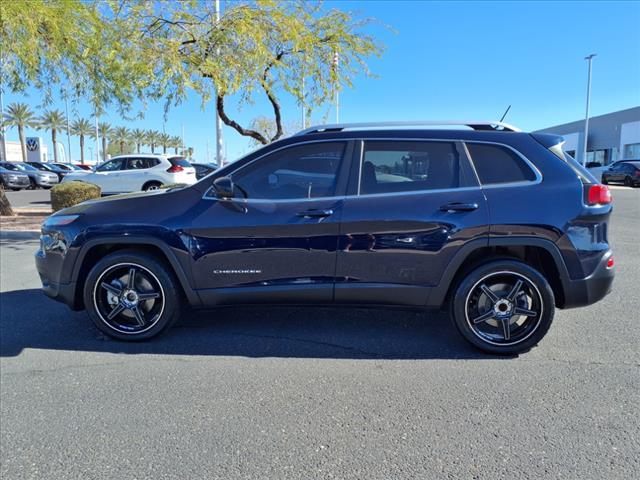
(363, 140)
(528, 162)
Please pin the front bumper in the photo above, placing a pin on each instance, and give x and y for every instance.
(47, 182)
(61, 292)
(20, 183)
(589, 290)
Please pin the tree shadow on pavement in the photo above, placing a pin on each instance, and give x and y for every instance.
(28, 319)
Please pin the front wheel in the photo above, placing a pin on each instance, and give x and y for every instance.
(627, 182)
(132, 296)
(503, 307)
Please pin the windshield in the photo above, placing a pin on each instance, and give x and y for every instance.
(25, 167)
(11, 166)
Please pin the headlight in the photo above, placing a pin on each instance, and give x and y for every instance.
(59, 220)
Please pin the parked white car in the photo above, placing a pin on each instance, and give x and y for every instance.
(130, 173)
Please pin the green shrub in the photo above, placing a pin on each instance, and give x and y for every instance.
(68, 194)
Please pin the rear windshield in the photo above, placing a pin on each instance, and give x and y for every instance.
(179, 161)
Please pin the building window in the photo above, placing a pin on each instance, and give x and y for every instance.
(598, 158)
(632, 151)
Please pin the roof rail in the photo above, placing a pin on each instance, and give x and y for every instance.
(338, 127)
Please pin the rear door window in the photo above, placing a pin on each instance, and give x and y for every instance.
(141, 163)
(405, 166)
(496, 164)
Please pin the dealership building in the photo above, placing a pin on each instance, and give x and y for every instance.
(614, 136)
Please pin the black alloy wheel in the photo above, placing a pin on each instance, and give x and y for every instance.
(132, 296)
(503, 307)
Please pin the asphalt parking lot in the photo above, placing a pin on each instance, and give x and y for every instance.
(291, 393)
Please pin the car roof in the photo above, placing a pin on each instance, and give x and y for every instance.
(142, 155)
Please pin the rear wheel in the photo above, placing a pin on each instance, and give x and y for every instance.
(131, 296)
(503, 307)
(605, 181)
(627, 181)
(150, 186)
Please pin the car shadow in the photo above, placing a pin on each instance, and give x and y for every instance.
(31, 320)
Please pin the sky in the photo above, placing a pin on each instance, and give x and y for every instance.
(447, 60)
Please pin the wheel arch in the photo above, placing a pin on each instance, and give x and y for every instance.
(539, 253)
(94, 250)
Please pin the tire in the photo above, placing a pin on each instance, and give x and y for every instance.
(33, 185)
(16, 189)
(605, 181)
(627, 182)
(154, 314)
(150, 186)
(489, 321)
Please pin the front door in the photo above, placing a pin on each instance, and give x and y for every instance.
(277, 238)
(107, 175)
(411, 206)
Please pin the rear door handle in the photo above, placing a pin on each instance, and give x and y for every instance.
(313, 213)
(459, 207)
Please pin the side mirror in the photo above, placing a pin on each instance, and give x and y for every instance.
(223, 187)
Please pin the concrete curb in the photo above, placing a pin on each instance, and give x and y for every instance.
(19, 235)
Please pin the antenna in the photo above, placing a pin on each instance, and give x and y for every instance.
(505, 113)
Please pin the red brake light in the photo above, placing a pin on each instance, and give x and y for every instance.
(610, 262)
(637, 173)
(175, 169)
(598, 195)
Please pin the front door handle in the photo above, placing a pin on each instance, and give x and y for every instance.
(459, 207)
(313, 213)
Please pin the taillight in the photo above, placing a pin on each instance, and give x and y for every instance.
(598, 195)
(637, 173)
(175, 169)
(610, 262)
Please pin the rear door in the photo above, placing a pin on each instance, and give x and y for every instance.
(136, 173)
(276, 240)
(412, 204)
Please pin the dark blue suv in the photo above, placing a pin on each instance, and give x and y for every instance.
(498, 226)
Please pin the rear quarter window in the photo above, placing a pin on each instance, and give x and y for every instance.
(496, 164)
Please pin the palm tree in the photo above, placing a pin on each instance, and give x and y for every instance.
(53, 120)
(81, 128)
(120, 135)
(176, 143)
(104, 130)
(165, 141)
(20, 115)
(153, 138)
(139, 137)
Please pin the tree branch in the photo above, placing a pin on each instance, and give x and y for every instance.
(235, 125)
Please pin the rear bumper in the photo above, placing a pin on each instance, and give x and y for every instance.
(585, 291)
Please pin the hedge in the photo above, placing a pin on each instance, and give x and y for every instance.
(71, 193)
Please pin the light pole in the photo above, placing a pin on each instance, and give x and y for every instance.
(66, 107)
(219, 156)
(586, 117)
(3, 145)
